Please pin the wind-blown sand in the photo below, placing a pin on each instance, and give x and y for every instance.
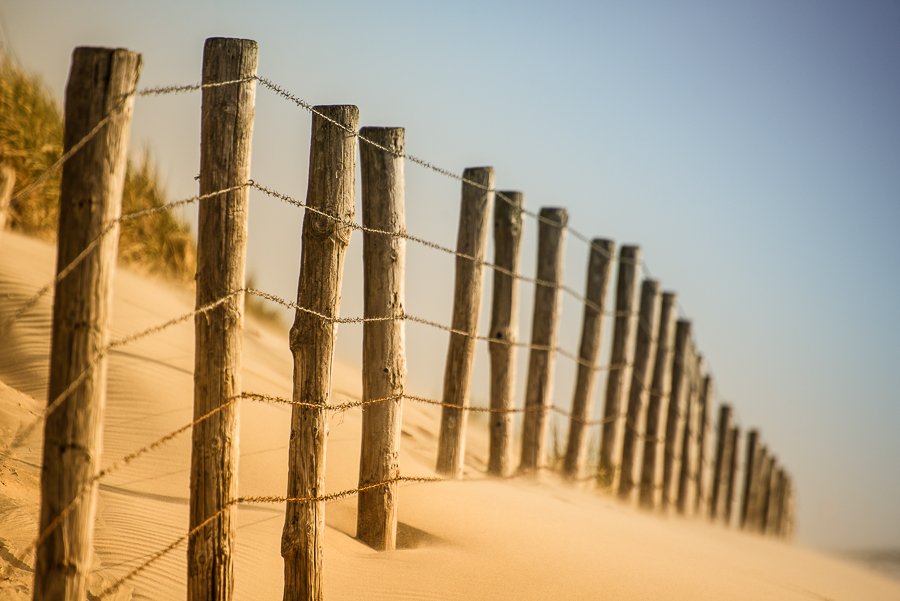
(485, 539)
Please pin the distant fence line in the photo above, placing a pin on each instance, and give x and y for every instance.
(657, 416)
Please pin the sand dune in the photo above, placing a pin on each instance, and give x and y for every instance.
(479, 539)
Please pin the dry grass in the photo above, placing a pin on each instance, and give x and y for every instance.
(31, 133)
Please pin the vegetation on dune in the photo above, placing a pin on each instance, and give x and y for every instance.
(31, 133)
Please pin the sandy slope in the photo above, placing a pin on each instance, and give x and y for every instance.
(461, 540)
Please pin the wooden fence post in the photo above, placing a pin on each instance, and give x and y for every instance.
(676, 414)
(384, 359)
(474, 223)
(100, 82)
(642, 377)
(734, 439)
(7, 183)
(331, 190)
(620, 365)
(719, 481)
(508, 224)
(687, 480)
(787, 512)
(544, 326)
(225, 141)
(751, 471)
(774, 508)
(704, 475)
(599, 268)
(657, 407)
(756, 497)
(764, 498)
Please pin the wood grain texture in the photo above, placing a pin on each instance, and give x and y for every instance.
(508, 225)
(650, 497)
(639, 392)
(384, 342)
(679, 388)
(544, 333)
(100, 82)
(721, 464)
(619, 376)
(331, 190)
(474, 225)
(226, 131)
(600, 262)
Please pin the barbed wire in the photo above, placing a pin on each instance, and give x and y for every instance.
(158, 91)
(278, 90)
(22, 436)
(112, 588)
(108, 227)
(287, 199)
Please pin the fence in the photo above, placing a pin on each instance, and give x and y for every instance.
(656, 425)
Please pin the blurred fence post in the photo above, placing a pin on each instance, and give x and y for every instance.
(331, 190)
(657, 407)
(100, 83)
(384, 359)
(734, 440)
(680, 388)
(474, 224)
(544, 326)
(687, 480)
(225, 141)
(7, 183)
(642, 376)
(765, 485)
(508, 224)
(774, 510)
(599, 267)
(720, 477)
(751, 471)
(620, 365)
(704, 471)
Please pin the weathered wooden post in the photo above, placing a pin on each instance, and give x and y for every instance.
(620, 366)
(544, 326)
(657, 407)
(751, 472)
(759, 468)
(384, 358)
(676, 414)
(719, 482)
(690, 442)
(765, 485)
(474, 223)
(704, 471)
(787, 512)
(331, 190)
(641, 380)
(100, 83)
(7, 183)
(734, 439)
(776, 484)
(508, 224)
(599, 267)
(226, 131)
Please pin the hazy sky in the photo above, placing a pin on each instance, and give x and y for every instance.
(752, 149)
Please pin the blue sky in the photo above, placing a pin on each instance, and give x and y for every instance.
(752, 149)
